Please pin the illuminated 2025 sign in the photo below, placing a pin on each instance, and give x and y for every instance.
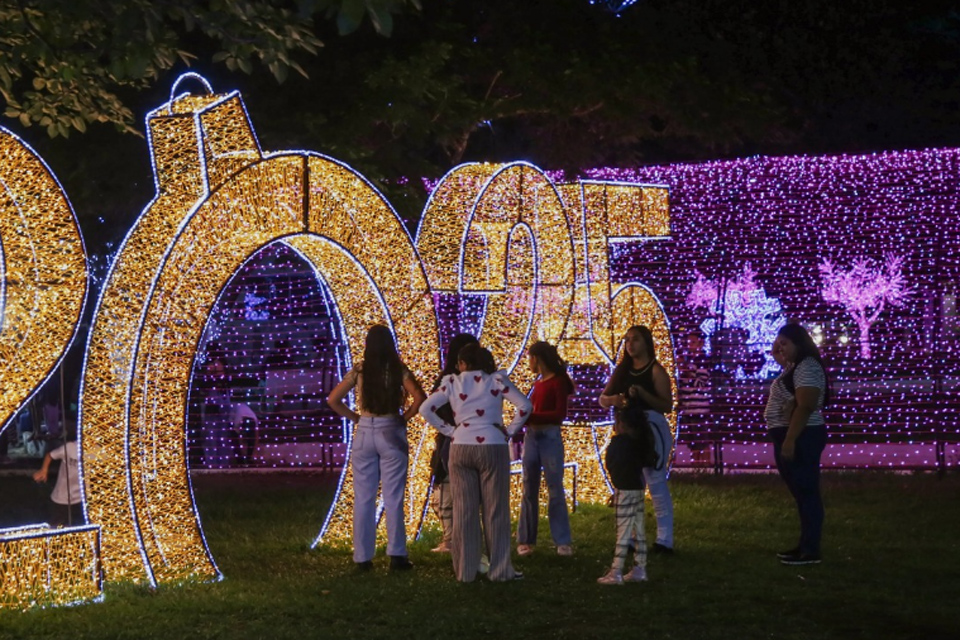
(535, 251)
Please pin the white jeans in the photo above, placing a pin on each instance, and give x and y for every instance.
(379, 457)
(656, 479)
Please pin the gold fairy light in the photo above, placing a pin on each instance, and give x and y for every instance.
(539, 255)
(40, 566)
(42, 290)
(498, 231)
(44, 274)
(220, 200)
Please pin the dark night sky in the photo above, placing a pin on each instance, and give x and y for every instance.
(852, 77)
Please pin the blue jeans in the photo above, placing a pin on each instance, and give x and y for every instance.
(543, 448)
(379, 455)
(802, 476)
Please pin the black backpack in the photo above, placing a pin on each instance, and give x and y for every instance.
(634, 416)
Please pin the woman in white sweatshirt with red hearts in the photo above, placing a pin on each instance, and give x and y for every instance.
(479, 460)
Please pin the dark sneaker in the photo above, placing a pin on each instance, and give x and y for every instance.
(400, 563)
(661, 550)
(789, 553)
(365, 566)
(801, 558)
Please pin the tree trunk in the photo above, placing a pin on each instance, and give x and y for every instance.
(864, 340)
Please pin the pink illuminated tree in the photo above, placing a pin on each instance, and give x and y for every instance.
(864, 290)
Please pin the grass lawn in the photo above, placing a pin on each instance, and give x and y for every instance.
(891, 570)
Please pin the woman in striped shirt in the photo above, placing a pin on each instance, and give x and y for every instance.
(799, 435)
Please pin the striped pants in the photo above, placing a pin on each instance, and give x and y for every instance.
(628, 505)
(480, 480)
(441, 501)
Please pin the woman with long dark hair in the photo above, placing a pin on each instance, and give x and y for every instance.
(798, 431)
(543, 449)
(379, 452)
(640, 378)
(441, 500)
(479, 460)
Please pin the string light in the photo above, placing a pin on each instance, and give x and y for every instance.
(42, 292)
(41, 566)
(537, 254)
(220, 201)
(890, 213)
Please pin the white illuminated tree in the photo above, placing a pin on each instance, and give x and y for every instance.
(864, 290)
(743, 304)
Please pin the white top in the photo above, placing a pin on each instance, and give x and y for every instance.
(60, 494)
(477, 402)
(808, 373)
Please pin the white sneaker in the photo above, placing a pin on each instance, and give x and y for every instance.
(525, 549)
(484, 565)
(637, 574)
(564, 550)
(613, 576)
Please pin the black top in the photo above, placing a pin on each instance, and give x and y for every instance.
(624, 461)
(642, 378)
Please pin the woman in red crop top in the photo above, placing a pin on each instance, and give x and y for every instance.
(543, 449)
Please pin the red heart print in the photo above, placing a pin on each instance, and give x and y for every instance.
(495, 392)
(477, 378)
(522, 413)
(434, 409)
(466, 424)
(443, 388)
(480, 439)
(480, 412)
(463, 396)
(505, 389)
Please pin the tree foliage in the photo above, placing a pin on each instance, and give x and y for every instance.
(64, 65)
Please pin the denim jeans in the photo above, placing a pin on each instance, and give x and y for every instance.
(802, 476)
(543, 449)
(379, 455)
(656, 479)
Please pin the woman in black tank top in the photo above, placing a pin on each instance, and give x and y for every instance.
(639, 376)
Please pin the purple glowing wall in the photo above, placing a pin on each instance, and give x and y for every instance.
(785, 217)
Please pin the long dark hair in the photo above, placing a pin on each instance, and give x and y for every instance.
(477, 358)
(550, 358)
(382, 387)
(451, 361)
(619, 378)
(806, 348)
